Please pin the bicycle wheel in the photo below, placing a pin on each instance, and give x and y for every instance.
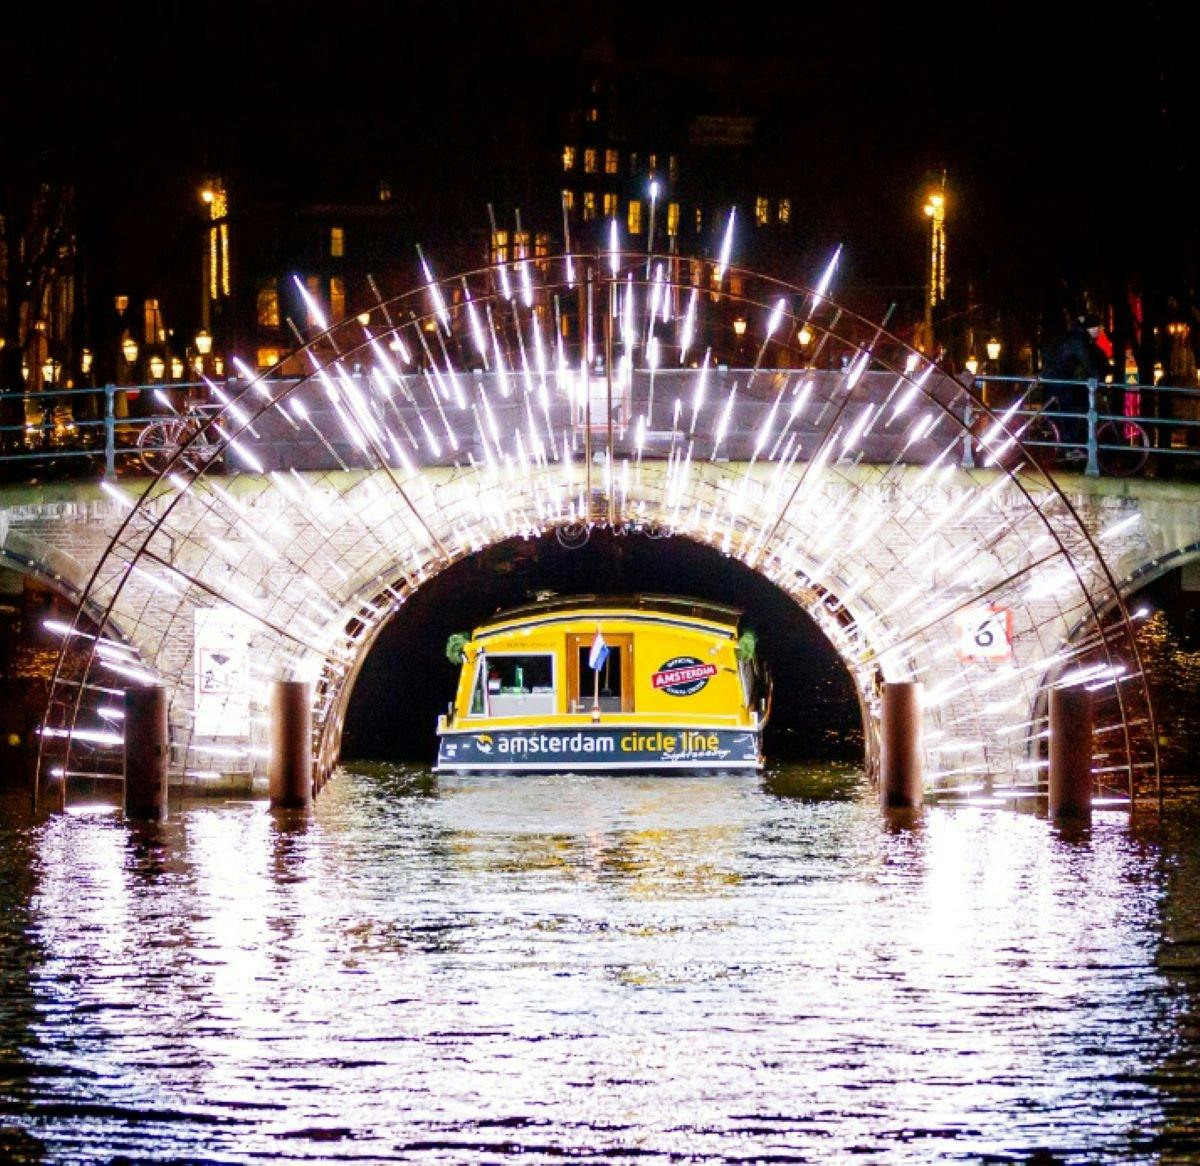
(1122, 448)
(158, 442)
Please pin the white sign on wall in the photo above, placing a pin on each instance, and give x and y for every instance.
(985, 633)
(222, 704)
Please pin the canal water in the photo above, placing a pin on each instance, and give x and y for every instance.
(598, 969)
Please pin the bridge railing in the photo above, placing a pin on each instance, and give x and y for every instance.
(125, 430)
(72, 432)
(1122, 429)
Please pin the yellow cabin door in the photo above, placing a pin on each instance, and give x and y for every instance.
(613, 687)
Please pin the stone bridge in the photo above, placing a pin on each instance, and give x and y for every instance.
(585, 392)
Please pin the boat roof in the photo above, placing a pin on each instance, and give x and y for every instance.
(667, 605)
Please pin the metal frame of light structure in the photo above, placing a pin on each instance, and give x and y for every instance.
(491, 426)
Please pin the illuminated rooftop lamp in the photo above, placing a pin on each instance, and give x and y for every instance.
(971, 364)
(993, 349)
(85, 360)
(157, 367)
(129, 349)
(804, 336)
(204, 342)
(176, 368)
(739, 327)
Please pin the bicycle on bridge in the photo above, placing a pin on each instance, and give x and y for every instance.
(1117, 444)
(162, 438)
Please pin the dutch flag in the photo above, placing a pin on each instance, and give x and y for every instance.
(598, 654)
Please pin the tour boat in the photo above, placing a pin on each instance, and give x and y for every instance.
(597, 683)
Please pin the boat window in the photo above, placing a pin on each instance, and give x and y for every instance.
(516, 685)
(478, 704)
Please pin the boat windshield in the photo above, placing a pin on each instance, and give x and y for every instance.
(514, 685)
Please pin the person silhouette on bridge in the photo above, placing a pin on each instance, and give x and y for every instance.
(1076, 356)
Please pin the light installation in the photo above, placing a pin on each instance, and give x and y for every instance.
(593, 390)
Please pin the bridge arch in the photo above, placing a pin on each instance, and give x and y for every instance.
(817, 708)
(617, 391)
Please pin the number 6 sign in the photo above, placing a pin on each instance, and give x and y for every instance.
(985, 633)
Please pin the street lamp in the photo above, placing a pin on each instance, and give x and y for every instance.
(993, 350)
(204, 343)
(739, 330)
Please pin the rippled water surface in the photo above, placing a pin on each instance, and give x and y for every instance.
(605, 969)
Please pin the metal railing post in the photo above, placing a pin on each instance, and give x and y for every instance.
(110, 431)
(967, 461)
(1092, 469)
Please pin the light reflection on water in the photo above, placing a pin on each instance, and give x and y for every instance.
(700, 969)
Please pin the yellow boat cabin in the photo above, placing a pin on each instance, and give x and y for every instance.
(596, 683)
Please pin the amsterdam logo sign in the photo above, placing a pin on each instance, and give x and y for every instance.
(683, 675)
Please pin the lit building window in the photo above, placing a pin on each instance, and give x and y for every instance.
(699, 220)
(122, 304)
(785, 210)
(589, 205)
(337, 299)
(672, 169)
(633, 162)
(541, 245)
(267, 357)
(652, 165)
(385, 190)
(268, 306)
(589, 161)
(499, 246)
(521, 245)
(568, 157)
(593, 113)
(337, 242)
(635, 216)
(672, 219)
(610, 206)
(569, 201)
(152, 331)
(611, 160)
(762, 211)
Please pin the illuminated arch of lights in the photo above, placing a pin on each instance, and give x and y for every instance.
(681, 397)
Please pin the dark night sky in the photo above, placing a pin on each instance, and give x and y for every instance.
(1065, 134)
